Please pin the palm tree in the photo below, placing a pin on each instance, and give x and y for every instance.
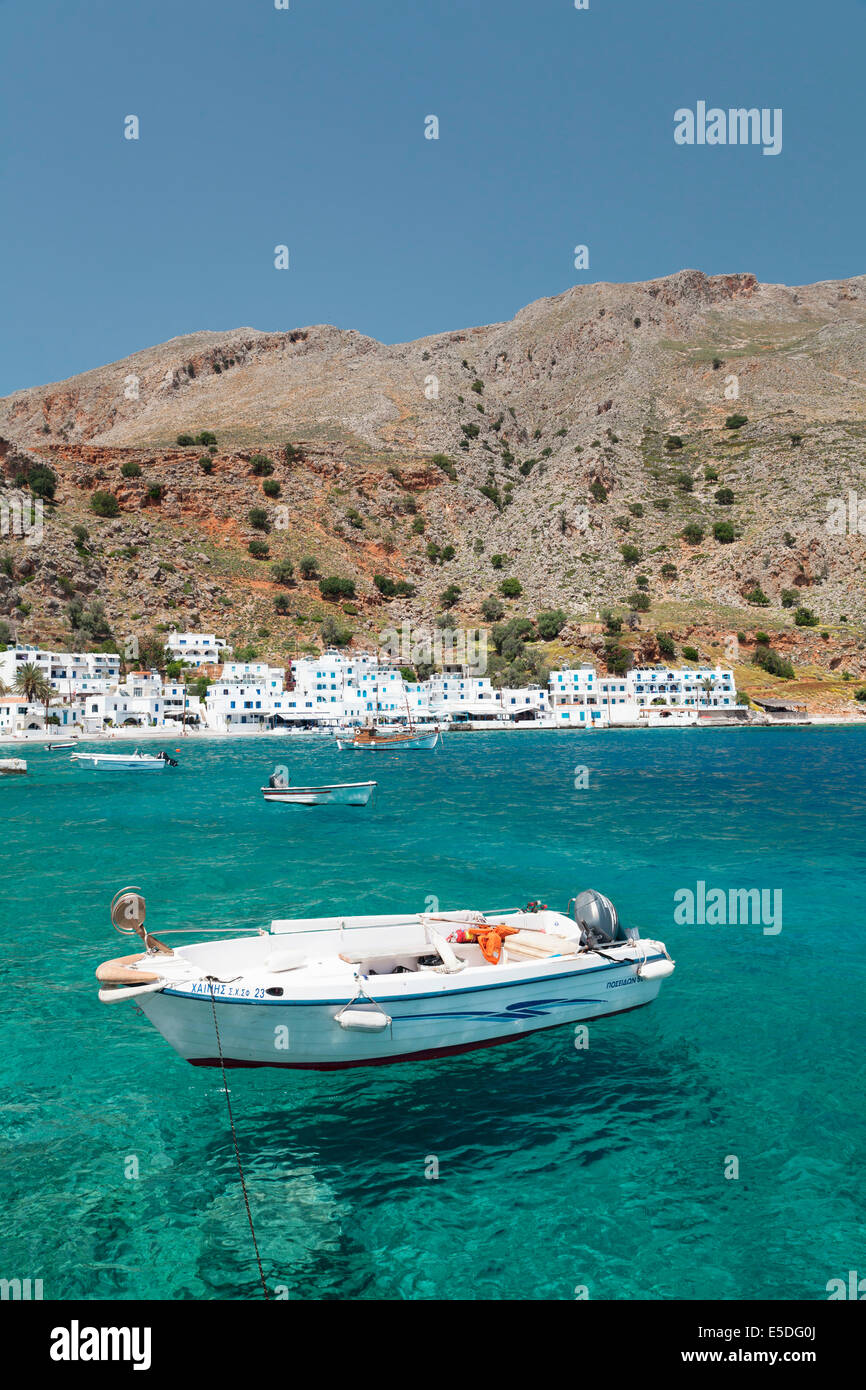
(35, 686)
(707, 684)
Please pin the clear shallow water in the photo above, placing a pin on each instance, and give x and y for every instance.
(557, 1167)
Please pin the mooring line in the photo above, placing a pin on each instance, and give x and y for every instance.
(235, 1138)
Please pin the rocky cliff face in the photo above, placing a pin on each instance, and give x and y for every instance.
(579, 441)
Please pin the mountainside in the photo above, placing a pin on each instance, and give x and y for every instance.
(592, 422)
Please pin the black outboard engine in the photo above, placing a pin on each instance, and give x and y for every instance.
(596, 916)
(277, 780)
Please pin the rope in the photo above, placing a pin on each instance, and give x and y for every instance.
(210, 980)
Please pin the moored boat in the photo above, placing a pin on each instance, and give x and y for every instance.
(335, 794)
(56, 747)
(334, 992)
(125, 762)
(378, 740)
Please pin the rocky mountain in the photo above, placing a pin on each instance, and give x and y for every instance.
(697, 440)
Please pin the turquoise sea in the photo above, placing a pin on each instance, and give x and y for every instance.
(558, 1168)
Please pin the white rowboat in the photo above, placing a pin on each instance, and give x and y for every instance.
(340, 794)
(124, 762)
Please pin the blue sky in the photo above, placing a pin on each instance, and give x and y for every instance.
(305, 127)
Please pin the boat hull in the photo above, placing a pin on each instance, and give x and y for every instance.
(388, 744)
(116, 762)
(347, 794)
(298, 1033)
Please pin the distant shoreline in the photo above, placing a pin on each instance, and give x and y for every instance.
(167, 736)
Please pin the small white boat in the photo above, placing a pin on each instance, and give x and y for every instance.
(338, 794)
(56, 747)
(10, 767)
(377, 740)
(331, 992)
(125, 762)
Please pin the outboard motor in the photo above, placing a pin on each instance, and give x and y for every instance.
(596, 916)
(278, 780)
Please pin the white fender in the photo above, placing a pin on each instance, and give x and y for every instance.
(364, 1020)
(656, 969)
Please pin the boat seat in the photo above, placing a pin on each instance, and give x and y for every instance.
(537, 945)
(373, 957)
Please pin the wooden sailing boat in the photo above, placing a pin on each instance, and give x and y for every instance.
(373, 737)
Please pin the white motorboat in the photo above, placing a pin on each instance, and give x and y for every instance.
(11, 767)
(337, 794)
(56, 747)
(377, 740)
(125, 762)
(332, 992)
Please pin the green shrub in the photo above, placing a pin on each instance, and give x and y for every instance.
(736, 422)
(498, 561)
(129, 469)
(673, 442)
(724, 497)
(335, 633)
(334, 587)
(636, 508)
(293, 453)
(354, 518)
(685, 482)
(511, 587)
(772, 662)
(550, 622)
(282, 603)
(206, 437)
(471, 431)
(668, 571)
(598, 491)
(492, 491)
(260, 550)
(205, 463)
(258, 519)
(261, 466)
(804, 617)
(616, 658)
(666, 645)
(492, 610)
(710, 474)
(790, 597)
(449, 596)
(757, 597)
(184, 440)
(155, 492)
(639, 601)
(270, 487)
(104, 504)
(723, 532)
(447, 465)
(691, 654)
(282, 572)
(860, 693)
(308, 567)
(693, 533)
(419, 526)
(630, 554)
